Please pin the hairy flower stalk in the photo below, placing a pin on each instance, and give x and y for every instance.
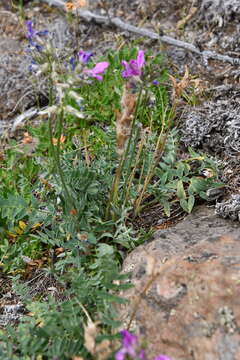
(124, 125)
(124, 119)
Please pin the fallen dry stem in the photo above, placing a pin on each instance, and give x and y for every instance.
(100, 19)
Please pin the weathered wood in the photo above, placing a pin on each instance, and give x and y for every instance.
(108, 21)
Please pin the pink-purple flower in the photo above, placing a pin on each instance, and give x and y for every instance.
(131, 350)
(129, 343)
(98, 69)
(134, 66)
(84, 56)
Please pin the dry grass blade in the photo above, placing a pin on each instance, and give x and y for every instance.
(179, 87)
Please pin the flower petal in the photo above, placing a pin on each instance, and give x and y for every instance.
(100, 67)
(30, 30)
(127, 72)
(128, 339)
(135, 68)
(98, 77)
(120, 355)
(140, 59)
(84, 56)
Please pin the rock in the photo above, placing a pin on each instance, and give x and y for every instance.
(229, 208)
(186, 302)
(214, 126)
(218, 12)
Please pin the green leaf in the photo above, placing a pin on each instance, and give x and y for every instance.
(110, 322)
(184, 204)
(203, 195)
(166, 208)
(180, 169)
(164, 178)
(197, 185)
(180, 190)
(112, 298)
(105, 249)
(91, 238)
(191, 201)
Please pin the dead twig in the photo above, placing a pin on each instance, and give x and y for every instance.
(100, 19)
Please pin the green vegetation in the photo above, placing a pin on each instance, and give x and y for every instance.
(71, 186)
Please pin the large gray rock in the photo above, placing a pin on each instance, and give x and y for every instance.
(186, 302)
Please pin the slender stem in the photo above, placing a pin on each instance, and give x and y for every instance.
(159, 151)
(58, 161)
(115, 186)
(56, 153)
(87, 157)
(130, 179)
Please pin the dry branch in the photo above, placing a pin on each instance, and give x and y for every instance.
(108, 21)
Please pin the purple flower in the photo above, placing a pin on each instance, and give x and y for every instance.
(133, 67)
(73, 63)
(142, 355)
(31, 34)
(128, 339)
(99, 68)
(84, 56)
(129, 343)
(131, 350)
(156, 82)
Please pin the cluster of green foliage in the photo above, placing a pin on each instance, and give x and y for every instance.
(58, 197)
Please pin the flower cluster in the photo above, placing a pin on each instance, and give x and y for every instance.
(133, 67)
(84, 58)
(131, 350)
(34, 36)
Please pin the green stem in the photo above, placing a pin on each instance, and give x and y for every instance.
(58, 163)
(114, 190)
(130, 176)
(125, 155)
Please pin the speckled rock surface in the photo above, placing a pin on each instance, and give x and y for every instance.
(215, 126)
(187, 280)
